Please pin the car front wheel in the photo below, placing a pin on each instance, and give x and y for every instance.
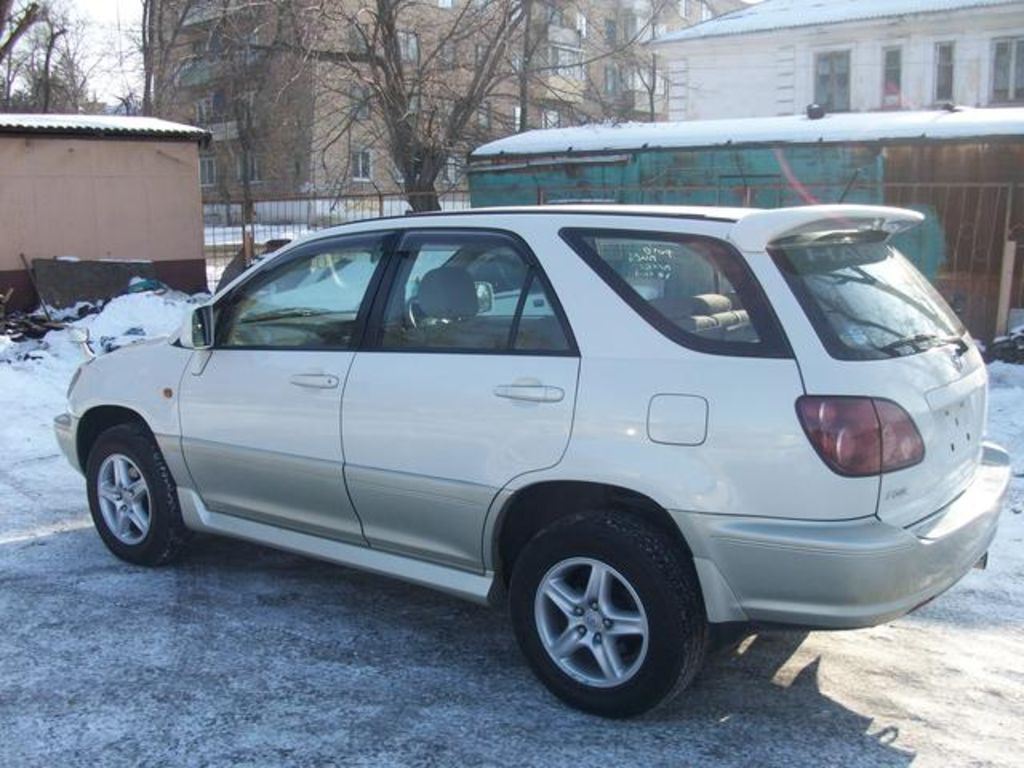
(608, 612)
(132, 497)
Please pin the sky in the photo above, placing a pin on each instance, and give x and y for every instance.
(106, 19)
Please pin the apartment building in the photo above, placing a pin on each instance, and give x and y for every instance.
(279, 85)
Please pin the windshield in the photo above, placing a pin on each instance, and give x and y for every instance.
(867, 301)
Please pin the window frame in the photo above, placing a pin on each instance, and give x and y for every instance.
(1014, 90)
(383, 238)
(357, 162)
(773, 343)
(832, 55)
(939, 46)
(892, 101)
(373, 334)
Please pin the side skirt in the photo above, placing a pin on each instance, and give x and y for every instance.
(469, 586)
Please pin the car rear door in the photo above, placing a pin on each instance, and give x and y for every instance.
(469, 381)
(261, 411)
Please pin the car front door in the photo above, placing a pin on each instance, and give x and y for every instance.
(467, 380)
(261, 411)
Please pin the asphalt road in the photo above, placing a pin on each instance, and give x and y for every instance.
(243, 656)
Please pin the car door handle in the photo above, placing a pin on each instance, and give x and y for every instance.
(534, 393)
(314, 380)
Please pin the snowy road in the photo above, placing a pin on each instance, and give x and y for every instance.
(244, 656)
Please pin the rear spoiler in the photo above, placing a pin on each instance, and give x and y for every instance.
(813, 223)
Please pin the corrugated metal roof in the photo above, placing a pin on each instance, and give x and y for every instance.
(99, 125)
(842, 127)
(772, 15)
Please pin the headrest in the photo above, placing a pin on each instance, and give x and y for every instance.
(447, 293)
(709, 304)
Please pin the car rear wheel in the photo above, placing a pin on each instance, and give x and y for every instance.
(608, 612)
(132, 497)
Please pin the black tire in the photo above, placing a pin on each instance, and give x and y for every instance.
(167, 533)
(663, 578)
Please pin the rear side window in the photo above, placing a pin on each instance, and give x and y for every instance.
(696, 290)
(866, 300)
(471, 292)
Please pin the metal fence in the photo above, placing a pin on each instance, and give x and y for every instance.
(968, 245)
(227, 228)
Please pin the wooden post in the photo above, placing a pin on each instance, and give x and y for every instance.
(1007, 270)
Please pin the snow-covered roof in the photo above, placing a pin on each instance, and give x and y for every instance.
(786, 14)
(99, 125)
(790, 129)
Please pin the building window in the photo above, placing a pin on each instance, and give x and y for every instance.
(479, 55)
(944, 72)
(207, 170)
(409, 47)
(444, 3)
(832, 80)
(447, 53)
(705, 11)
(612, 79)
(684, 8)
(552, 119)
(249, 167)
(483, 116)
(452, 170)
(567, 62)
(517, 119)
(892, 77)
(361, 102)
(1008, 70)
(581, 24)
(611, 31)
(362, 165)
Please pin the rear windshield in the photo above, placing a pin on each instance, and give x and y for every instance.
(696, 290)
(866, 300)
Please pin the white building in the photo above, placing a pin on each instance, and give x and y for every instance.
(778, 56)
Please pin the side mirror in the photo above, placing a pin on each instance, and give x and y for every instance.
(484, 297)
(80, 336)
(201, 325)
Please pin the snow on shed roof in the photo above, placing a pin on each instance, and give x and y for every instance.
(786, 14)
(790, 129)
(99, 125)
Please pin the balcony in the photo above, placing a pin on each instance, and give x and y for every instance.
(223, 130)
(198, 72)
(564, 87)
(558, 35)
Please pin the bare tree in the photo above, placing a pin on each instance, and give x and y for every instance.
(14, 23)
(416, 81)
(50, 71)
(162, 25)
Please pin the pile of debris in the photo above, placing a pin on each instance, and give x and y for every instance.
(22, 326)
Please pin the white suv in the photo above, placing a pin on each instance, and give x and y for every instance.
(634, 421)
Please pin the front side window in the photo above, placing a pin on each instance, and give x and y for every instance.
(470, 292)
(866, 300)
(1008, 71)
(312, 301)
(694, 289)
(832, 80)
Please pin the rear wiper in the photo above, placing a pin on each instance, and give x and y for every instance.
(923, 341)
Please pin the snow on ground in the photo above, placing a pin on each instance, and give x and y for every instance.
(239, 655)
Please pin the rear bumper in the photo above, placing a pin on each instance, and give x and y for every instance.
(845, 574)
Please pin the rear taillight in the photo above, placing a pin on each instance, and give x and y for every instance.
(860, 436)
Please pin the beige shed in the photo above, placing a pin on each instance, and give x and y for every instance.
(99, 188)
